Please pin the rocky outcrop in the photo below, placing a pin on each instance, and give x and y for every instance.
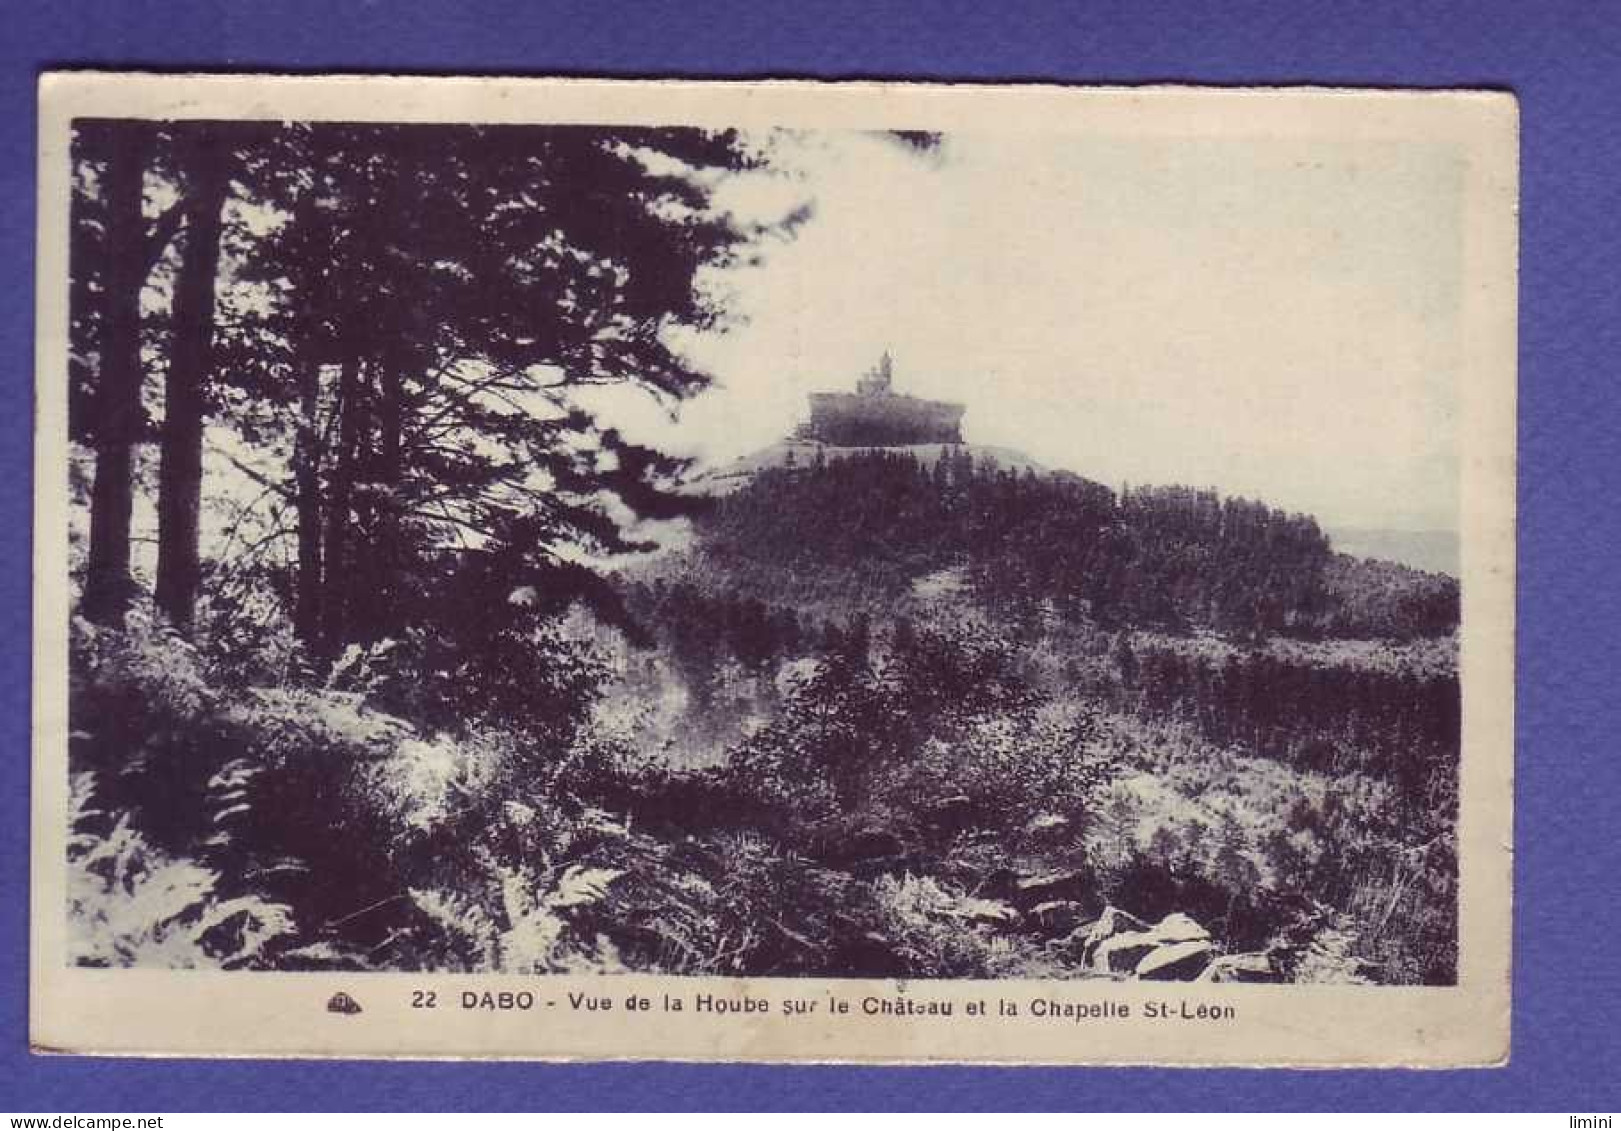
(1175, 962)
(1047, 887)
(1253, 967)
(1177, 948)
(1056, 917)
(1086, 939)
(1052, 917)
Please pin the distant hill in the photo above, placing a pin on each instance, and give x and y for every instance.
(1432, 551)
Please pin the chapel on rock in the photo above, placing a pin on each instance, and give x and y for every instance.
(877, 416)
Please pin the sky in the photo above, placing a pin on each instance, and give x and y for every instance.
(1274, 318)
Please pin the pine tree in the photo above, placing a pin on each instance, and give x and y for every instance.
(445, 292)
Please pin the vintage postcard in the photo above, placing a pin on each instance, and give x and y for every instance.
(773, 571)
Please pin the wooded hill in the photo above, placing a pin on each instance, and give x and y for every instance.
(861, 531)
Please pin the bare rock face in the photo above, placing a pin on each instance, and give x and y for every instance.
(1175, 962)
(1253, 967)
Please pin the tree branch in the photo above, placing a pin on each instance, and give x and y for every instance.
(285, 490)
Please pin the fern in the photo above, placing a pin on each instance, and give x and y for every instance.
(526, 931)
(129, 904)
(939, 931)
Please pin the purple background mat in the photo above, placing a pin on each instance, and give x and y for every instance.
(1564, 62)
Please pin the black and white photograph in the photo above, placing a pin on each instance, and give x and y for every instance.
(920, 553)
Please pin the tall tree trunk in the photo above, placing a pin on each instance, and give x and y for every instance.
(109, 586)
(180, 479)
(315, 308)
(307, 478)
(387, 548)
(340, 488)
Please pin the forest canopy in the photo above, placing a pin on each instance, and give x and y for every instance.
(391, 320)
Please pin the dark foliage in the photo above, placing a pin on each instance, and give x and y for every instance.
(1374, 598)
